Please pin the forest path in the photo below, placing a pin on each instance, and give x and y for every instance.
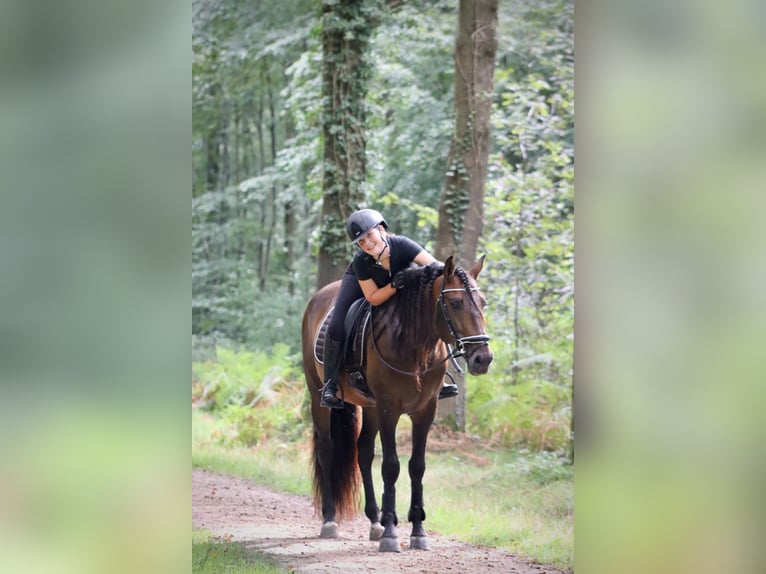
(284, 526)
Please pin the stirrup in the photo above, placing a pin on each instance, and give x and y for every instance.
(448, 391)
(329, 400)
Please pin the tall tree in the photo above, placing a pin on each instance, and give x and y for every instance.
(347, 26)
(461, 208)
(242, 194)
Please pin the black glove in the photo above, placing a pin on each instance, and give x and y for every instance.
(400, 280)
(436, 266)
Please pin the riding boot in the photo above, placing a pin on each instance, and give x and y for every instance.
(448, 390)
(332, 363)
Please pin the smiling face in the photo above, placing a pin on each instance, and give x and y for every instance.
(373, 241)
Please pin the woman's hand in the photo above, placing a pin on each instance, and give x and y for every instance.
(400, 280)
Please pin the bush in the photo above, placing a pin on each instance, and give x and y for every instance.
(535, 413)
(260, 395)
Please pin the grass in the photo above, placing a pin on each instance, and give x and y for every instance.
(497, 501)
(281, 465)
(213, 557)
(514, 499)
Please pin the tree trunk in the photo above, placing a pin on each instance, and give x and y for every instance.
(346, 30)
(290, 226)
(572, 421)
(461, 209)
(259, 119)
(273, 221)
(516, 331)
(212, 155)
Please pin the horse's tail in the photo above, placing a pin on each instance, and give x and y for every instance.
(345, 425)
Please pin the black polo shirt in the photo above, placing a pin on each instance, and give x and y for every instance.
(403, 252)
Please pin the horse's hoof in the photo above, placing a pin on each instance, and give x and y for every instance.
(376, 531)
(390, 545)
(420, 543)
(329, 530)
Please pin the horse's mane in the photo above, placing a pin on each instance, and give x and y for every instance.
(409, 318)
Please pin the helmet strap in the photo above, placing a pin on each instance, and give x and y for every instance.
(385, 245)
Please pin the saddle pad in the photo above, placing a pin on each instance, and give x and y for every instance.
(356, 324)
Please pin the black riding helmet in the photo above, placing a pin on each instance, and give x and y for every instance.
(360, 222)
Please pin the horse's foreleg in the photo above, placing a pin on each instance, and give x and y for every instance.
(389, 542)
(366, 456)
(420, 426)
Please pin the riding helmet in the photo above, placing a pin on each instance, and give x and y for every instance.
(360, 222)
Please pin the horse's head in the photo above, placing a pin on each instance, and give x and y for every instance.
(462, 308)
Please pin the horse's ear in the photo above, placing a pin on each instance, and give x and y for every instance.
(449, 268)
(476, 269)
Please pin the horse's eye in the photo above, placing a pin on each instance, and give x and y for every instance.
(456, 304)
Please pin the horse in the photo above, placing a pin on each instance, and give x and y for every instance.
(408, 340)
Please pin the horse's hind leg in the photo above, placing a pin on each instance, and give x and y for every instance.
(323, 457)
(337, 465)
(421, 424)
(366, 455)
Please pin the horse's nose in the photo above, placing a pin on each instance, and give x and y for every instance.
(478, 363)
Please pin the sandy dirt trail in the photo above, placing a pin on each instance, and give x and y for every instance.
(285, 527)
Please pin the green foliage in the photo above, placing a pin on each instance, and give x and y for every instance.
(534, 413)
(533, 517)
(258, 180)
(346, 31)
(214, 556)
(333, 239)
(529, 234)
(245, 190)
(456, 198)
(277, 462)
(259, 395)
(410, 112)
(244, 377)
(228, 293)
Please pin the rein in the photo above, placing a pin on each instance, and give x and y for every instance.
(451, 355)
(460, 342)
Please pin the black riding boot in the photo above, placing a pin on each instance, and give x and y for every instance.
(332, 360)
(448, 390)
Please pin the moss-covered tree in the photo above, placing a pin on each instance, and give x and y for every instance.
(347, 26)
(461, 209)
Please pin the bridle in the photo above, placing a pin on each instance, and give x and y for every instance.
(460, 342)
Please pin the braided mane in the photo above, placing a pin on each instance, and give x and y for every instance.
(408, 318)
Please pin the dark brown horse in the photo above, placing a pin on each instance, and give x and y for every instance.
(405, 354)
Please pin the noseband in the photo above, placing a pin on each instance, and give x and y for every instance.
(460, 342)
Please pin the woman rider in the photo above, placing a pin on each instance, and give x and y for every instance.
(373, 275)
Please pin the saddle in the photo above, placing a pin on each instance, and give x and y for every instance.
(356, 323)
